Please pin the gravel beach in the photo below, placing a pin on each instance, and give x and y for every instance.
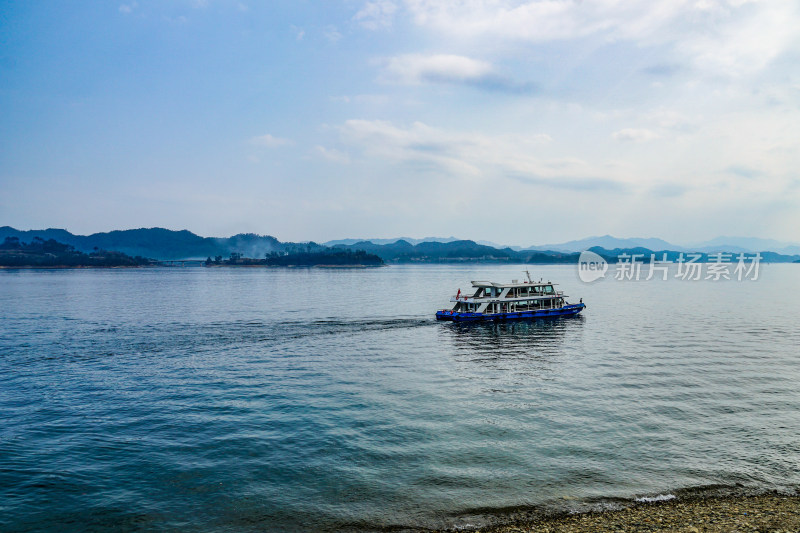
(764, 513)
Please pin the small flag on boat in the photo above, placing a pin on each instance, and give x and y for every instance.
(459, 294)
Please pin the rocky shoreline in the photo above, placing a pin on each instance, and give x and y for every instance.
(774, 513)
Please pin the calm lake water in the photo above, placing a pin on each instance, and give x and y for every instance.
(220, 399)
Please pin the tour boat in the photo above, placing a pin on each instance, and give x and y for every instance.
(510, 301)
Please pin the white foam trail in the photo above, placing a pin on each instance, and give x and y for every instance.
(659, 498)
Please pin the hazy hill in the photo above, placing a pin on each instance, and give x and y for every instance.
(609, 243)
(349, 242)
(50, 253)
(461, 251)
(673, 255)
(719, 244)
(748, 244)
(410, 240)
(59, 235)
(157, 243)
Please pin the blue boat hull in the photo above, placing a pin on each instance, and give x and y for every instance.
(455, 316)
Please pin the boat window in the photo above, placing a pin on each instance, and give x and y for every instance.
(548, 289)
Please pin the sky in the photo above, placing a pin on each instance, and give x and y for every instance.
(519, 122)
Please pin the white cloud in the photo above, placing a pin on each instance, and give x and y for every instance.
(269, 141)
(634, 135)
(127, 9)
(474, 156)
(418, 68)
(376, 14)
(331, 154)
(299, 33)
(332, 34)
(544, 20)
(727, 36)
(671, 120)
(744, 38)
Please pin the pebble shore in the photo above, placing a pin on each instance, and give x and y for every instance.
(771, 513)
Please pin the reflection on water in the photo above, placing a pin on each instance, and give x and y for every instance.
(534, 335)
(513, 353)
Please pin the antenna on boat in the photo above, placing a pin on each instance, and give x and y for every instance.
(529, 275)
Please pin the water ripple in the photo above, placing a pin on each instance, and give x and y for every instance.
(209, 400)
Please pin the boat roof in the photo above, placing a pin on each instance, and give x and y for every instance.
(512, 284)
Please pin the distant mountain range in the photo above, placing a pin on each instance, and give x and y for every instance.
(410, 240)
(748, 244)
(164, 244)
(608, 242)
(720, 244)
(159, 243)
(471, 252)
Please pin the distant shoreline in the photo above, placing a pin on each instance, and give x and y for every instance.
(92, 267)
(70, 267)
(295, 266)
(101, 267)
(159, 242)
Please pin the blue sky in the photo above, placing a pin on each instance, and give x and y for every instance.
(512, 121)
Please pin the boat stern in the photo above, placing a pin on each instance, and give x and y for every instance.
(443, 314)
(455, 316)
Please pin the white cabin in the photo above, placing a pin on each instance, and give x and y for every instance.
(489, 297)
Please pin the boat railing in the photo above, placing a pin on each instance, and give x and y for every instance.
(463, 298)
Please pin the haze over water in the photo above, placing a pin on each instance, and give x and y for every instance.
(316, 399)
